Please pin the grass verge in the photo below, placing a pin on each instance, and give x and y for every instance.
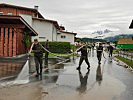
(57, 54)
(127, 61)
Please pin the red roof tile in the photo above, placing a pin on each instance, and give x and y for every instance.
(125, 41)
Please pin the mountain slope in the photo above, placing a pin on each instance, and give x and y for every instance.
(115, 38)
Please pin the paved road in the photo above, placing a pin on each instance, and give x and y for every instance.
(106, 82)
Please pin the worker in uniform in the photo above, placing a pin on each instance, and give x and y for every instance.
(110, 50)
(99, 52)
(46, 53)
(84, 56)
(38, 57)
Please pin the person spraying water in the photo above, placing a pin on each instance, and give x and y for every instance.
(38, 56)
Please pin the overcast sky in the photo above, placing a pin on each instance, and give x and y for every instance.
(85, 16)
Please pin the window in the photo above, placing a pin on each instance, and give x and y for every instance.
(1, 13)
(63, 36)
(9, 14)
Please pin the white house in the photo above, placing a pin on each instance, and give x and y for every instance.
(65, 36)
(47, 29)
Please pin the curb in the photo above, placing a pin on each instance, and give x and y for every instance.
(120, 63)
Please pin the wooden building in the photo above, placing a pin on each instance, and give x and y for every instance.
(6, 9)
(13, 28)
(125, 43)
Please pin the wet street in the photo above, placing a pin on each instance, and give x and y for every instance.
(62, 81)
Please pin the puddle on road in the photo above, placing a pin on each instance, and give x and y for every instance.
(109, 89)
(23, 76)
(21, 70)
(14, 91)
(20, 76)
(10, 68)
(63, 83)
(94, 86)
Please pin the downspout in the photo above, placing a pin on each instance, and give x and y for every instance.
(52, 31)
(56, 34)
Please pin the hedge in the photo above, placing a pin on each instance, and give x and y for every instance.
(125, 46)
(58, 47)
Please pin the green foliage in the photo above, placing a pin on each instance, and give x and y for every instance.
(26, 40)
(125, 46)
(91, 40)
(78, 40)
(58, 47)
(127, 61)
(73, 47)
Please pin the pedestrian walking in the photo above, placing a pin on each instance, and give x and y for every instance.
(110, 50)
(46, 53)
(38, 57)
(84, 56)
(99, 52)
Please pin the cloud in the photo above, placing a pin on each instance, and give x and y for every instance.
(85, 16)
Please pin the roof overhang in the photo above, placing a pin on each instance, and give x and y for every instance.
(68, 32)
(50, 21)
(62, 28)
(125, 41)
(16, 20)
(22, 8)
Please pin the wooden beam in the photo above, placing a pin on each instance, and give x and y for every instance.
(6, 43)
(2, 42)
(15, 44)
(12, 25)
(10, 42)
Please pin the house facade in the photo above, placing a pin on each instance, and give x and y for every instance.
(64, 36)
(47, 29)
(125, 43)
(13, 28)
